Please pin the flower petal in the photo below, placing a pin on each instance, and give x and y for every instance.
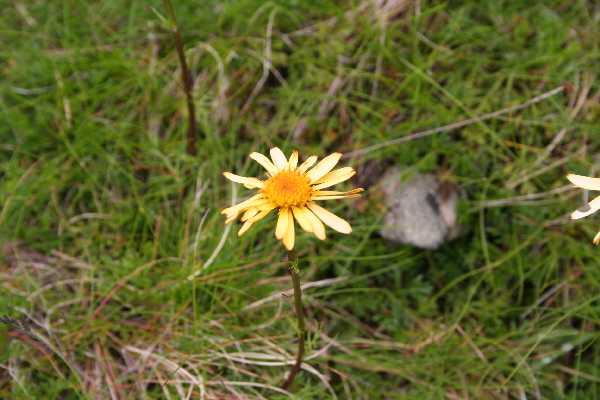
(302, 219)
(288, 238)
(264, 162)
(323, 167)
(282, 223)
(278, 158)
(250, 183)
(345, 196)
(309, 162)
(293, 161)
(248, 203)
(263, 213)
(249, 214)
(584, 182)
(260, 205)
(335, 177)
(332, 194)
(245, 227)
(596, 240)
(330, 219)
(588, 209)
(238, 208)
(252, 212)
(336, 193)
(317, 225)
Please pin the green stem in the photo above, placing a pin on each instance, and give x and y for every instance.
(187, 80)
(293, 270)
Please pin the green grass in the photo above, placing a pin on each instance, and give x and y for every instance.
(103, 216)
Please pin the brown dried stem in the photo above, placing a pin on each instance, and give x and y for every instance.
(186, 79)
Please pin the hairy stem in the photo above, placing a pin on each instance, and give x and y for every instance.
(186, 79)
(293, 270)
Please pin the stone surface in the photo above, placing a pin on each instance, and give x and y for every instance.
(420, 212)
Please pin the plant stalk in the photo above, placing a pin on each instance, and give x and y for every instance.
(293, 271)
(186, 79)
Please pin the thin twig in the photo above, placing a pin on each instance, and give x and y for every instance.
(186, 79)
(525, 199)
(543, 170)
(455, 125)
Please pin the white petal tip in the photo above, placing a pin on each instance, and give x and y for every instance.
(579, 214)
(584, 182)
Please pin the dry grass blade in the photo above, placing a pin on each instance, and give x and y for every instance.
(456, 125)
(525, 199)
(171, 367)
(289, 292)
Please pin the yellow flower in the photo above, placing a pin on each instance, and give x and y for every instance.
(588, 183)
(293, 190)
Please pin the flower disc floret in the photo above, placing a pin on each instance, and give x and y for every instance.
(288, 189)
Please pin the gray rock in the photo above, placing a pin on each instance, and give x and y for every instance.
(420, 212)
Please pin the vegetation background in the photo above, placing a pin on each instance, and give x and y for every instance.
(103, 215)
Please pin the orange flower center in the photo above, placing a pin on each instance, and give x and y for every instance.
(287, 189)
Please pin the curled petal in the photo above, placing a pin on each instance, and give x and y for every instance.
(336, 192)
(352, 196)
(332, 194)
